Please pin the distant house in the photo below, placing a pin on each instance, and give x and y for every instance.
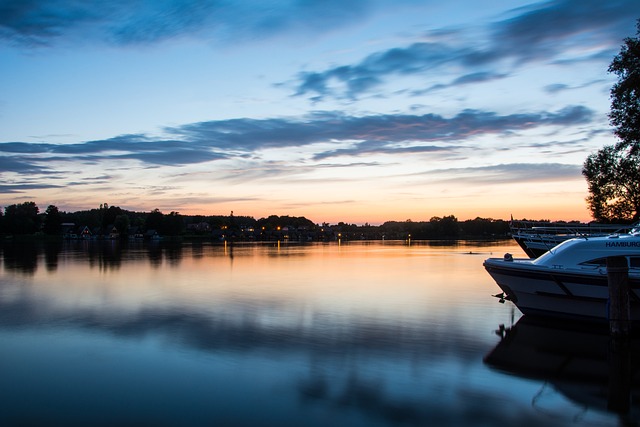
(152, 235)
(135, 232)
(69, 230)
(200, 227)
(112, 232)
(84, 233)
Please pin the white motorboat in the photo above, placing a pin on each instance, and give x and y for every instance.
(570, 279)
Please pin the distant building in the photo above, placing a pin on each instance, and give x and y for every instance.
(199, 227)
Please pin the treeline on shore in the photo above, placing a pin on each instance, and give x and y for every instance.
(112, 222)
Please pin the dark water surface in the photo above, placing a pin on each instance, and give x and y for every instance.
(357, 334)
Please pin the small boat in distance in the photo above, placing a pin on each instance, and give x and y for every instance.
(537, 237)
(570, 280)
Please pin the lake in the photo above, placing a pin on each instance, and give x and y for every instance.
(282, 334)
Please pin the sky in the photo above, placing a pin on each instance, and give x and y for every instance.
(360, 111)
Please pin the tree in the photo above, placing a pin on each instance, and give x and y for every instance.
(173, 224)
(109, 215)
(612, 173)
(625, 94)
(154, 220)
(613, 176)
(121, 222)
(445, 227)
(22, 218)
(52, 220)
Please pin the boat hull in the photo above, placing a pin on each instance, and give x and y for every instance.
(538, 291)
(534, 246)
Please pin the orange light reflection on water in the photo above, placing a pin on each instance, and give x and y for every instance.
(286, 283)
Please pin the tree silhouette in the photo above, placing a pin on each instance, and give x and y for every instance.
(625, 94)
(613, 172)
(22, 218)
(52, 221)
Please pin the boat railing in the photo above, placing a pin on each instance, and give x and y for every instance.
(547, 235)
(578, 230)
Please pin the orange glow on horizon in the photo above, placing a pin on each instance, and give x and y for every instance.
(357, 205)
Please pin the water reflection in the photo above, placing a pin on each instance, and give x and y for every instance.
(372, 334)
(245, 324)
(21, 257)
(582, 362)
(25, 256)
(379, 371)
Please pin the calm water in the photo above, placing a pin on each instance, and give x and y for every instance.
(358, 334)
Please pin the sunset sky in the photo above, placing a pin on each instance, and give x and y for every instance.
(356, 111)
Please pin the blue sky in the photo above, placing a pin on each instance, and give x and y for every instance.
(357, 111)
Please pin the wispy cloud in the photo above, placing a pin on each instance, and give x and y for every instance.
(242, 138)
(507, 173)
(467, 79)
(21, 166)
(125, 22)
(247, 135)
(541, 32)
(20, 188)
(153, 151)
(561, 87)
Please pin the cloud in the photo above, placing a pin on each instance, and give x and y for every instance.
(242, 138)
(124, 22)
(20, 188)
(380, 148)
(509, 173)
(24, 157)
(560, 87)
(246, 135)
(22, 166)
(471, 78)
(539, 32)
(371, 72)
(556, 88)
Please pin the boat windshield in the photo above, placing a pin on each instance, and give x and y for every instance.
(542, 259)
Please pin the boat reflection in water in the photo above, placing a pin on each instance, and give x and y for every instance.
(584, 364)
